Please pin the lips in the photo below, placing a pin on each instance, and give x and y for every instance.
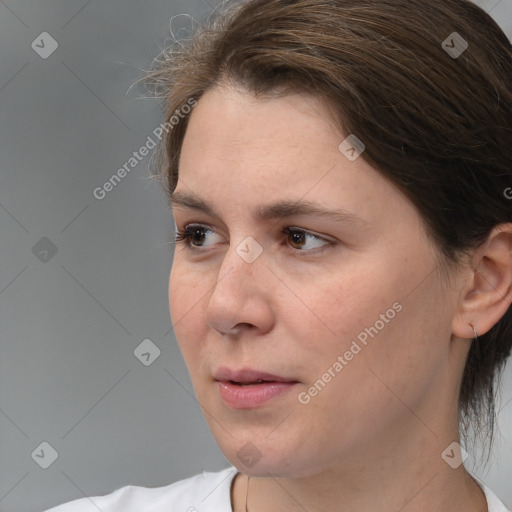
(250, 389)
(248, 376)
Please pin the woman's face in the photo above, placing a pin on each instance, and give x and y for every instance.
(350, 308)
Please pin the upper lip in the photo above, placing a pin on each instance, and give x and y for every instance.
(248, 375)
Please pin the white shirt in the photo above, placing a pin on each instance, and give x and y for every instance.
(205, 492)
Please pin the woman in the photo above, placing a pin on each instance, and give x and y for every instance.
(340, 176)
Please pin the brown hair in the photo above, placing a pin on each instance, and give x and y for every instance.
(438, 125)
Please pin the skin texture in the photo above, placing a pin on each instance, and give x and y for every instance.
(372, 439)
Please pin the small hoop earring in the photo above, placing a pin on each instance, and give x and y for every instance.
(474, 330)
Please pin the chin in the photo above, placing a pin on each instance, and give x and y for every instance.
(264, 458)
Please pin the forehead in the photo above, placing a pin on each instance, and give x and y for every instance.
(236, 141)
(236, 121)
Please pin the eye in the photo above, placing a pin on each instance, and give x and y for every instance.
(194, 235)
(300, 236)
(191, 234)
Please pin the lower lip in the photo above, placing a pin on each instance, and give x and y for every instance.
(253, 395)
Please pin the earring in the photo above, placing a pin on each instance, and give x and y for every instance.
(474, 330)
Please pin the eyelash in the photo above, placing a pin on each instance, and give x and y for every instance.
(184, 237)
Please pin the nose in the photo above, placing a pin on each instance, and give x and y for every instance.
(241, 297)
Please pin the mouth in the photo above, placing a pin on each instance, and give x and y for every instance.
(248, 389)
(247, 383)
(248, 377)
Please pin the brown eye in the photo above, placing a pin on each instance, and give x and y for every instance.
(192, 236)
(300, 237)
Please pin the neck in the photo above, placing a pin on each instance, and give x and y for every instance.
(408, 480)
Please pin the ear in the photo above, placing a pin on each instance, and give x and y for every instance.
(488, 293)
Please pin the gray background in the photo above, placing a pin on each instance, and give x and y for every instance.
(70, 321)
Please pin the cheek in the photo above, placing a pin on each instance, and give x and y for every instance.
(392, 363)
(176, 292)
(373, 323)
(186, 310)
(335, 311)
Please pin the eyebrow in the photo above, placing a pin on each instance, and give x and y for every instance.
(280, 209)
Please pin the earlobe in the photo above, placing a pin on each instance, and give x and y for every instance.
(488, 294)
